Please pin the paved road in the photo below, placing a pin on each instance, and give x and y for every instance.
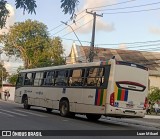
(14, 117)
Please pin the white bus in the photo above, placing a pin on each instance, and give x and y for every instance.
(109, 88)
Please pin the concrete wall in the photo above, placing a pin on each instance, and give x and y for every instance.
(154, 81)
(11, 91)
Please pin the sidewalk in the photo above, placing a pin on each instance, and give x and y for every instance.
(152, 116)
(148, 120)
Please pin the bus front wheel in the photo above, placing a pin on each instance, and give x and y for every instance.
(25, 103)
(93, 117)
(64, 108)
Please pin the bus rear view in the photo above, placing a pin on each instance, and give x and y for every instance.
(127, 94)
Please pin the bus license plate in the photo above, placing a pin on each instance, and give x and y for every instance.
(129, 105)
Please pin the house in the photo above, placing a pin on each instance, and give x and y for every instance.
(151, 60)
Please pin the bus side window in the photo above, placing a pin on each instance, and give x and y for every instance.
(91, 80)
(94, 77)
(49, 80)
(61, 79)
(38, 80)
(20, 79)
(76, 77)
(101, 76)
(28, 79)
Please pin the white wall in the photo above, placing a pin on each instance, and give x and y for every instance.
(154, 81)
(11, 91)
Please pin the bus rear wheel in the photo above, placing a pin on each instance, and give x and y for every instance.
(93, 117)
(64, 108)
(25, 103)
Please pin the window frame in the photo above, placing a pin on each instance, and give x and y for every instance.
(68, 72)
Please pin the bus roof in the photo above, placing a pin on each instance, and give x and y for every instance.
(63, 67)
(91, 64)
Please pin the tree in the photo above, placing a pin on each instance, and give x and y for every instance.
(30, 41)
(27, 40)
(68, 6)
(26, 5)
(154, 94)
(4, 73)
(12, 79)
(54, 54)
(57, 51)
(4, 13)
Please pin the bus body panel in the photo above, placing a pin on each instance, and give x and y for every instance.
(129, 89)
(95, 100)
(81, 101)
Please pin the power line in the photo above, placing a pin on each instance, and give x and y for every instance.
(140, 46)
(126, 52)
(55, 27)
(112, 4)
(150, 50)
(78, 28)
(138, 11)
(158, 44)
(59, 31)
(74, 40)
(131, 42)
(66, 21)
(149, 4)
(70, 25)
(90, 8)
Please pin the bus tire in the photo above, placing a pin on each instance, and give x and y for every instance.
(49, 110)
(64, 108)
(25, 103)
(72, 115)
(93, 117)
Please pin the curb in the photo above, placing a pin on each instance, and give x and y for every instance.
(134, 121)
(8, 101)
(152, 116)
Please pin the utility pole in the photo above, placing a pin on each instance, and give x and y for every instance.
(91, 54)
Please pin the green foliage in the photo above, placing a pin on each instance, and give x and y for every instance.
(4, 73)
(53, 54)
(69, 6)
(26, 5)
(4, 13)
(57, 51)
(27, 40)
(154, 94)
(12, 79)
(30, 41)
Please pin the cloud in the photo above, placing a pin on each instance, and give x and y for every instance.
(101, 25)
(12, 67)
(10, 20)
(122, 46)
(155, 30)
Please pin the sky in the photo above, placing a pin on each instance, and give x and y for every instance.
(118, 28)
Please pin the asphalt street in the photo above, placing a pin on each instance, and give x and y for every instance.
(14, 117)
